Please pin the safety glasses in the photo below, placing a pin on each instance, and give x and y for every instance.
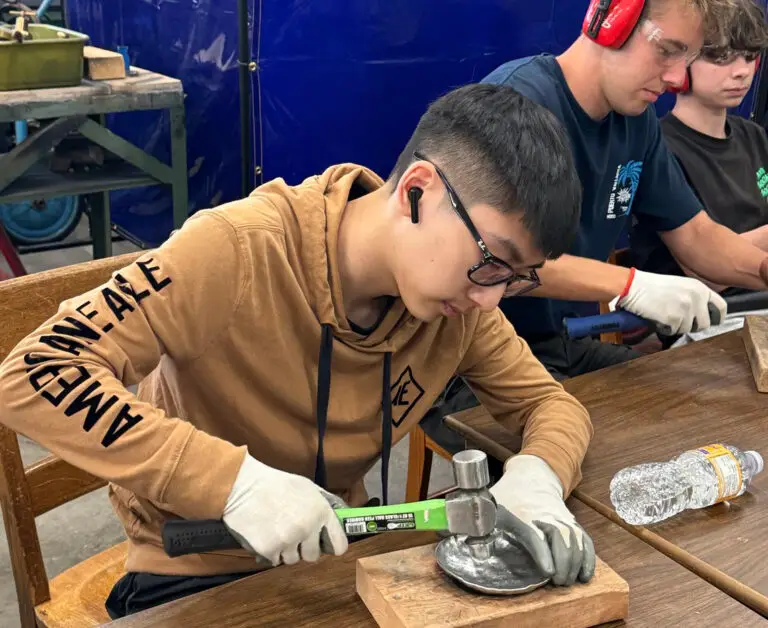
(669, 52)
(723, 55)
(491, 271)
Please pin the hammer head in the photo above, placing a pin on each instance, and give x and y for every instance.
(471, 509)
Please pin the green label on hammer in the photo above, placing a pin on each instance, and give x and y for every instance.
(373, 524)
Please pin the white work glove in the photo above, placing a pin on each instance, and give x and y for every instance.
(530, 500)
(282, 517)
(680, 303)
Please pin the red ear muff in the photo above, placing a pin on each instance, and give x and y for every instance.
(611, 22)
(685, 87)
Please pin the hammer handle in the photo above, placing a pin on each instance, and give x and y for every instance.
(181, 536)
(621, 320)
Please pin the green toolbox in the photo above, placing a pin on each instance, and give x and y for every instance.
(50, 56)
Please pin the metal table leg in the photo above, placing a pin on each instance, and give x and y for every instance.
(179, 165)
(101, 225)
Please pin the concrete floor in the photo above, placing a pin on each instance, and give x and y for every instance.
(86, 526)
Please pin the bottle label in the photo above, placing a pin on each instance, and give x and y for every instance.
(727, 469)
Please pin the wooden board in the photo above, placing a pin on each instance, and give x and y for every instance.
(406, 589)
(755, 335)
(103, 65)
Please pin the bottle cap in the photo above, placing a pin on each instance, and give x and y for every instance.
(757, 459)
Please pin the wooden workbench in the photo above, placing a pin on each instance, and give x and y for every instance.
(648, 409)
(83, 109)
(662, 593)
(655, 408)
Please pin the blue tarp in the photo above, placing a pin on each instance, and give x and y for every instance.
(338, 81)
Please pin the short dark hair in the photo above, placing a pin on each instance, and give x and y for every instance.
(498, 147)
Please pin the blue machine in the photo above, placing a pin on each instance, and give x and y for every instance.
(335, 81)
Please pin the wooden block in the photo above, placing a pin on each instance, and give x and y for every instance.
(103, 65)
(755, 335)
(407, 588)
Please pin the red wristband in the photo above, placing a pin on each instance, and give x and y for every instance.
(625, 292)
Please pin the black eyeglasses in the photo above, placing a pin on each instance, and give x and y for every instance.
(491, 271)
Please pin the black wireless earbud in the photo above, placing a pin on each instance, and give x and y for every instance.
(414, 194)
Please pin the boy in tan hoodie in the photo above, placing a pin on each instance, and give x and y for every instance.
(284, 342)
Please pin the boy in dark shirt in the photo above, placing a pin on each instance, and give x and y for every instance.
(724, 157)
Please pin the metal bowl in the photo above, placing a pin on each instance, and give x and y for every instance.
(498, 566)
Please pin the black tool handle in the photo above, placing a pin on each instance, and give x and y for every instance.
(714, 319)
(181, 536)
(752, 300)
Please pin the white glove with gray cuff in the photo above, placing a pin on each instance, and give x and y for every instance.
(281, 516)
(530, 500)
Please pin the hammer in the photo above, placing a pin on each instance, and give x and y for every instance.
(470, 510)
(621, 320)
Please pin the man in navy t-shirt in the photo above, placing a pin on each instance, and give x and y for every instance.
(603, 94)
(602, 89)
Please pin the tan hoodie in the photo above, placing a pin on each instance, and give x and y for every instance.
(236, 332)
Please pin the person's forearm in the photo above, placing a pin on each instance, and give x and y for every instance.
(581, 279)
(713, 286)
(758, 237)
(717, 254)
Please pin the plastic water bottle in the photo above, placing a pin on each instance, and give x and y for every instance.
(651, 492)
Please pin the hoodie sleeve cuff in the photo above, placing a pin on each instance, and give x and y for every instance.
(200, 483)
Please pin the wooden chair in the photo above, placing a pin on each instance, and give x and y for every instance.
(421, 447)
(420, 450)
(76, 597)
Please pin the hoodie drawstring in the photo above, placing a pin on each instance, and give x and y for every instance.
(386, 427)
(323, 398)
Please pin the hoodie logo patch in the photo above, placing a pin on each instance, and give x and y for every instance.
(405, 395)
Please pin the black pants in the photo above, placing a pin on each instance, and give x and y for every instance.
(561, 356)
(136, 592)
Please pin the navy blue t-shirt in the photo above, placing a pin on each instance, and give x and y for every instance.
(624, 166)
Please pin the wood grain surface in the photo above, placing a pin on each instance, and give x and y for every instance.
(103, 64)
(755, 335)
(661, 592)
(144, 90)
(407, 589)
(654, 408)
(78, 594)
(660, 405)
(53, 482)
